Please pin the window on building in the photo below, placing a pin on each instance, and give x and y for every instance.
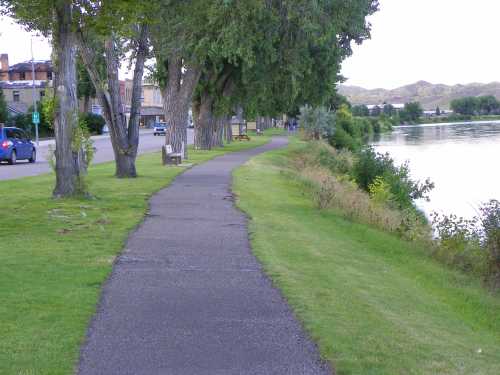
(22, 76)
(49, 76)
(16, 96)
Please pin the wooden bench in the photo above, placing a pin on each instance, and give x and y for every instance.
(241, 137)
(170, 157)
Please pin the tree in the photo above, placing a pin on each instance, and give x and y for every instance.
(57, 18)
(180, 47)
(283, 55)
(438, 111)
(4, 113)
(413, 111)
(85, 89)
(337, 101)
(360, 111)
(124, 134)
(101, 43)
(376, 111)
(465, 106)
(388, 109)
(487, 104)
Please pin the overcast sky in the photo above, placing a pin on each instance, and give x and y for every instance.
(441, 41)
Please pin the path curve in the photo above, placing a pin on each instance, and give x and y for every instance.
(187, 296)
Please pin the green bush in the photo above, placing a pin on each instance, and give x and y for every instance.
(342, 140)
(371, 165)
(472, 245)
(95, 123)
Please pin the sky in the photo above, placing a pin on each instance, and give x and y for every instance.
(440, 41)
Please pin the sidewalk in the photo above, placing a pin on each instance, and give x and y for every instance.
(187, 296)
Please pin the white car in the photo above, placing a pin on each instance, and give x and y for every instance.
(160, 129)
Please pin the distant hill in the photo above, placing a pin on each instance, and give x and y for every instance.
(428, 94)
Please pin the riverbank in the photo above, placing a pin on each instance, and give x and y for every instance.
(373, 302)
(56, 254)
(468, 122)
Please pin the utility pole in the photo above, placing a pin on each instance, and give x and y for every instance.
(36, 116)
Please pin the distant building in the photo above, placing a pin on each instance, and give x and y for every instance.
(19, 94)
(151, 102)
(23, 71)
(16, 82)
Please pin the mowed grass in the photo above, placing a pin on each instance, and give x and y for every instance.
(56, 254)
(373, 303)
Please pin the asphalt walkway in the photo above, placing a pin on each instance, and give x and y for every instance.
(187, 296)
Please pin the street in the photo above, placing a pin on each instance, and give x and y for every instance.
(104, 153)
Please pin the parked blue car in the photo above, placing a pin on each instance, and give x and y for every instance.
(16, 145)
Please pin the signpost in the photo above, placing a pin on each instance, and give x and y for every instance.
(36, 121)
(36, 118)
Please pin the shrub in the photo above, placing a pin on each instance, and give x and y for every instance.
(371, 165)
(472, 245)
(323, 169)
(459, 243)
(95, 123)
(342, 140)
(317, 122)
(490, 220)
(345, 121)
(380, 192)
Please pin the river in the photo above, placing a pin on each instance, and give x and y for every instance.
(463, 160)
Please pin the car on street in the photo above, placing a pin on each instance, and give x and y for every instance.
(15, 144)
(160, 128)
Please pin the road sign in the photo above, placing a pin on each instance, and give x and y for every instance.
(36, 117)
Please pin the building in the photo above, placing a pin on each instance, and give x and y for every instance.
(151, 102)
(17, 85)
(23, 71)
(19, 94)
(16, 82)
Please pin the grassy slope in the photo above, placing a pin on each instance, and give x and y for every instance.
(55, 255)
(374, 303)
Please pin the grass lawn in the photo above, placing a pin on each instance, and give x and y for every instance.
(55, 255)
(374, 303)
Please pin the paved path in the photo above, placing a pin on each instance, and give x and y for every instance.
(104, 153)
(187, 296)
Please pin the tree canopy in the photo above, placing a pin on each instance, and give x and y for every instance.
(472, 105)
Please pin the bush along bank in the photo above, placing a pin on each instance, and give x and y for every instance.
(347, 175)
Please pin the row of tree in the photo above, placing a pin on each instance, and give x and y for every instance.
(411, 112)
(476, 105)
(220, 57)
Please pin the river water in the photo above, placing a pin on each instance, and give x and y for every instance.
(463, 160)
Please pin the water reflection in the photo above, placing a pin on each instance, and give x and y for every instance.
(462, 160)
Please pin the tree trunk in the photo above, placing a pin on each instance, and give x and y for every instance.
(205, 123)
(86, 104)
(177, 96)
(218, 140)
(228, 132)
(124, 137)
(70, 162)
